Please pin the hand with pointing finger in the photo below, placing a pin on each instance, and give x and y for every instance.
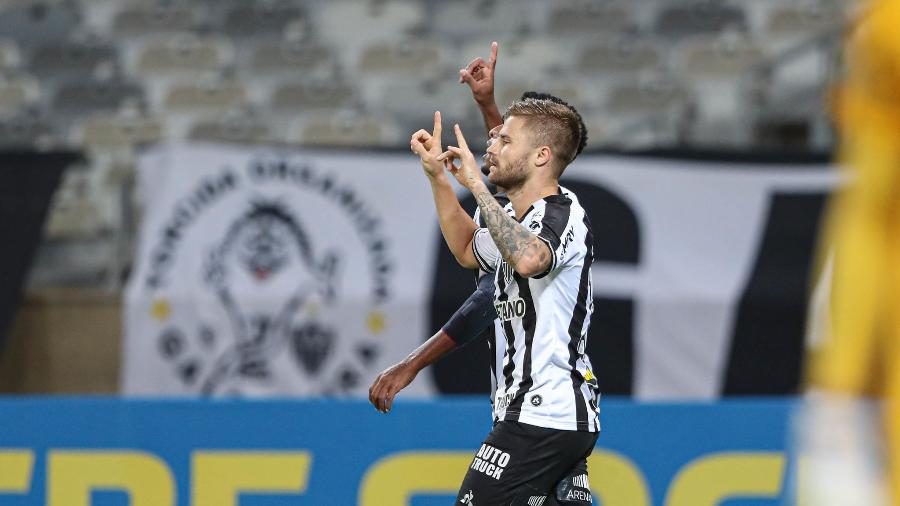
(479, 75)
(428, 147)
(467, 173)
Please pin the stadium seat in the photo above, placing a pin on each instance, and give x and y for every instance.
(620, 56)
(644, 97)
(153, 18)
(72, 58)
(25, 129)
(76, 211)
(39, 22)
(10, 55)
(797, 20)
(348, 129)
(232, 130)
(262, 19)
(357, 22)
(581, 18)
(16, 94)
(120, 130)
(294, 57)
(419, 58)
(499, 18)
(80, 96)
(207, 96)
(723, 57)
(184, 54)
(419, 99)
(299, 96)
(699, 18)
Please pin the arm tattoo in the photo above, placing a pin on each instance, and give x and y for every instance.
(513, 240)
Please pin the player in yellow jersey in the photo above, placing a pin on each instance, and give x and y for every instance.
(860, 356)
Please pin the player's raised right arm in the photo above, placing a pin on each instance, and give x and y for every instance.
(456, 225)
(479, 76)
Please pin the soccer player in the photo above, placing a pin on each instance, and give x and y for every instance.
(546, 417)
(476, 315)
(478, 312)
(859, 360)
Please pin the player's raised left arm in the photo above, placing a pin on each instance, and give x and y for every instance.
(521, 249)
(456, 225)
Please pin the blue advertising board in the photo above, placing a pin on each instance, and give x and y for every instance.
(110, 452)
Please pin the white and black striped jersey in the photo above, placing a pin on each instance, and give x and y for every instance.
(542, 375)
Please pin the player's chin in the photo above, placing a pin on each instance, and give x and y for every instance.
(491, 173)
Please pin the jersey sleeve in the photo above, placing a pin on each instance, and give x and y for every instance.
(557, 230)
(485, 250)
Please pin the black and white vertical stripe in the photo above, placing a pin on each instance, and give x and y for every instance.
(541, 374)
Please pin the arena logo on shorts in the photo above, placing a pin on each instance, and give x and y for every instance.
(490, 461)
(579, 490)
(510, 309)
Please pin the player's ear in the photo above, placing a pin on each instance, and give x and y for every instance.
(543, 157)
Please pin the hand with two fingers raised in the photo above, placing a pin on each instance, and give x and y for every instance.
(428, 147)
(468, 173)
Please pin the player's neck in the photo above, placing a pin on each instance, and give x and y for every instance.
(523, 197)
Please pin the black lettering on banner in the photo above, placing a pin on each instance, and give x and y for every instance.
(616, 241)
(465, 371)
(766, 351)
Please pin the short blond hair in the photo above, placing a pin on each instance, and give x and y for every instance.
(552, 124)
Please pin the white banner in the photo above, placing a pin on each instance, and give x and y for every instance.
(265, 271)
(270, 272)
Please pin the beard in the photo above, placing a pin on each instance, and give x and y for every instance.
(509, 176)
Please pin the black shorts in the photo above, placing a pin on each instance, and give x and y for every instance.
(521, 464)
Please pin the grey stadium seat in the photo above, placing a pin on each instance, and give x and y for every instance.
(156, 17)
(16, 94)
(265, 19)
(804, 18)
(645, 97)
(293, 57)
(343, 129)
(497, 18)
(416, 57)
(67, 59)
(184, 54)
(84, 96)
(235, 130)
(581, 18)
(313, 95)
(211, 96)
(120, 130)
(722, 57)
(24, 129)
(699, 18)
(625, 55)
(39, 22)
(10, 56)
